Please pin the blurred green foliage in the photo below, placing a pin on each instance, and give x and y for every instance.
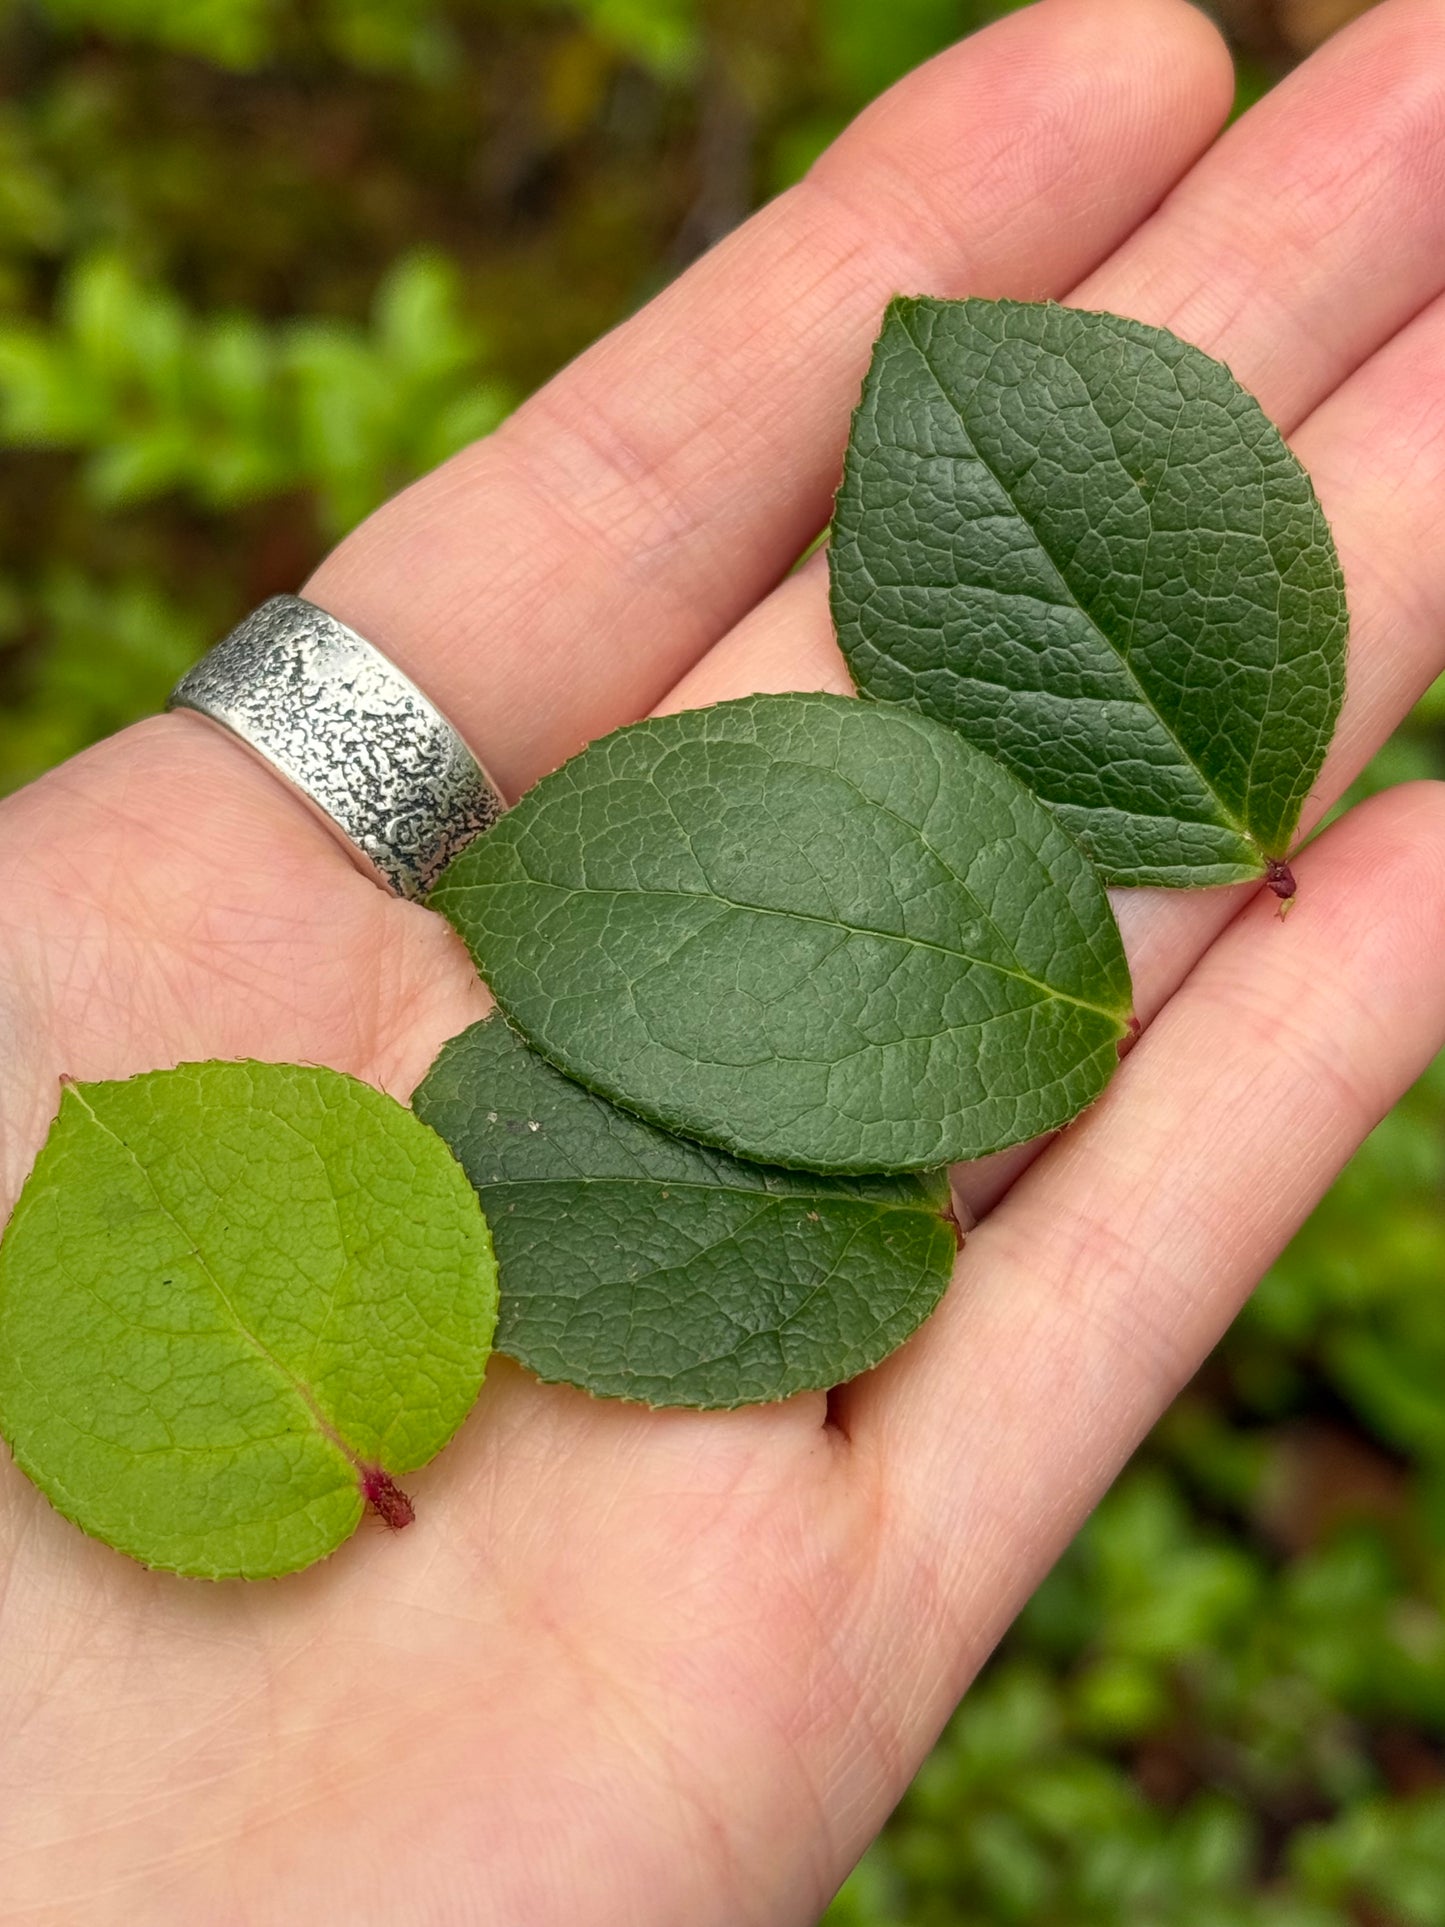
(228, 410)
(262, 261)
(1226, 1706)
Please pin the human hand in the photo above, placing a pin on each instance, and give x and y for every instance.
(660, 1667)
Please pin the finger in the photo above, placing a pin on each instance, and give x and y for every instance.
(1376, 447)
(1332, 182)
(1315, 228)
(557, 578)
(1092, 1293)
(1376, 452)
(1301, 242)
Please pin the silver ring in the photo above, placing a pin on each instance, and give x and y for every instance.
(352, 734)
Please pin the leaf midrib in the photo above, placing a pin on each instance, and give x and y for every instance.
(826, 923)
(1230, 820)
(669, 1185)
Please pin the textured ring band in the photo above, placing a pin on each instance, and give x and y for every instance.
(352, 734)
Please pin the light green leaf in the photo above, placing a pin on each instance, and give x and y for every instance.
(640, 1266)
(815, 932)
(232, 1297)
(1080, 543)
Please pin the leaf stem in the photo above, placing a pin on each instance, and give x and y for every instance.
(1280, 878)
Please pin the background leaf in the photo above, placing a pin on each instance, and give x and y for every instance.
(1079, 542)
(638, 1265)
(813, 931)
(204, 1337)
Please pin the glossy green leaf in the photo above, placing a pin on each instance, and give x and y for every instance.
(1079, 542)
(638, 1265)
(812, 931)
(233, 1299)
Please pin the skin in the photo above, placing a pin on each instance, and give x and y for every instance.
(647, 1669)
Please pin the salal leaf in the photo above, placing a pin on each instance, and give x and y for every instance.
(812, 931)
(238, 1300)
(638, 1265)
(1079, 542)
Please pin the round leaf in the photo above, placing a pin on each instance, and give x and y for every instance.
(812, 931)
(234, 1300)
(1079, 542)
(638, 1265)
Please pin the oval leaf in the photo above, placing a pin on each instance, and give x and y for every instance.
(235, 1299)
(812, 931)
(1080, 543)
(637, 1265)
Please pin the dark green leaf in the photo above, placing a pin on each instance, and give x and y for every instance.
(1080, 543)
(231, 1295)
(638, 1265)
(813, 931)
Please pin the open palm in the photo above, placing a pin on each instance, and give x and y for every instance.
(652, 1668)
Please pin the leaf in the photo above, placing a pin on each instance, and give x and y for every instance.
(1080, 543)
(235, 1298)
(812, 931)
(638, 1265)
